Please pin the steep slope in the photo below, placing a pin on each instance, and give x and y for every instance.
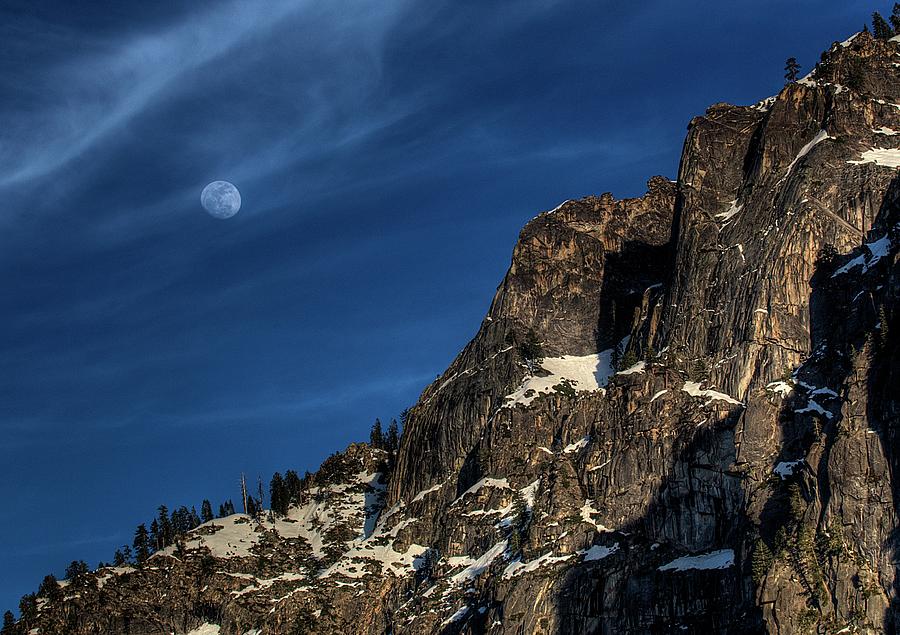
(738, 479)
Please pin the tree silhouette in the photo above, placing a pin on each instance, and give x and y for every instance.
(206, 513)
(141, 544)
(880, 28)
(791, 70)
(9, 623)
(376, 436)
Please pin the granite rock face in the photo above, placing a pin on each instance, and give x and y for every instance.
(706, 444)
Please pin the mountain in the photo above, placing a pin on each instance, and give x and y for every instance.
(680, 414)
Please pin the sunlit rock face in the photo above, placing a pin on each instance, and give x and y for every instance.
(706, 443)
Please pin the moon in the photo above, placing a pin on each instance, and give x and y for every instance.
(221, 199)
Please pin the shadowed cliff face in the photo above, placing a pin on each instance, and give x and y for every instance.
(736, 475)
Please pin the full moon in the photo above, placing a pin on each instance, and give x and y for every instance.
(221, 199)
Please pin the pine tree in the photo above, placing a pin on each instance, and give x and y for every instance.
(49, 588)
(278, 495)
(118, 558)
(9, 623)
(791, 70)
(520, 524)
(28, 606)
(293, 486)
(206, 514)
(393, 437)
(76, 569)
(531, 350)
(616, 356)
(880, 28)
(195, 518)
(628, 360)
(141, 544)
(229, 508)
(376, 436)
(166, 534)
(760, 562)
(895, 18)
(426, 565)
(155, 539)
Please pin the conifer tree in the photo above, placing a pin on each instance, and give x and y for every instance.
(895, 18)
(880, 28)
(28, 606)
(141, 544)
(791, 70)
(195, 518)
(531, 350)
(76, 569)
(628, 360)
(293, 487)
(9, 623)
(206, 513)
(49, 588)
(393, 436)
(229, 508)
(155, 539)
(761, 561)
(118, 558)
(278, 495)
(165, 527)
(616, 356)
(376, 436)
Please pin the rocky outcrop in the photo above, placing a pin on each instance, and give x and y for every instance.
(705, 443)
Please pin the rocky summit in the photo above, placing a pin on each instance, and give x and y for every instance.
(679, 415)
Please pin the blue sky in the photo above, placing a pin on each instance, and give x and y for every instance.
(387, 153)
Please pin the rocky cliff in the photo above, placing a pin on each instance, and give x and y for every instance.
(702, 440)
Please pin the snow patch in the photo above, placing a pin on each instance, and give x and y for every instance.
(813, 406)
(205, 629)
(658, 394)
(885, 131)
(819, 138)
(485, 482)
(721, 559)
(587, 372)
(517, 567)
(588, 512)
(475, 567)
(786, 468)
(693, 389)
(578, 445)
(731, 212)
(888, 157)
(878, 250)
(780, 387)
(637, 368)
(425, 492)
(598, 552)
(460, 613)
(559, 207)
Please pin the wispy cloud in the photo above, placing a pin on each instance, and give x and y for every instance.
(85, 100)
